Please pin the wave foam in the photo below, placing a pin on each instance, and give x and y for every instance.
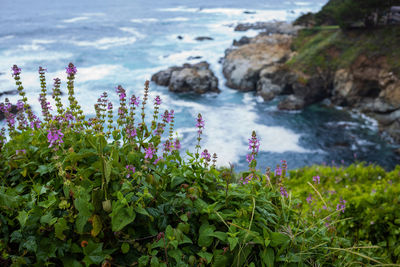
(76, 19)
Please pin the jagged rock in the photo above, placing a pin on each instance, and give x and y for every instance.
(9, 92)
(242, 41)
(196, 78)
(14, 110)
(203, 38)
(267, 90)
(194, 57)
(179, 37)
(278, 27)
(242, 66)
(292, 102)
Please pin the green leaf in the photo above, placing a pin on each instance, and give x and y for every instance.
(125, 248)
(143, 260)
(220, 235)
(108, 168)
(206, 235)
(233, 241)
(43, 169)
(206, 255)
(60, 227)
(278, 239)
(47, 218)
(93, 253)
(268, 257)
(154, 262)
(121, 216)
(175, 181)
(85, 207)
(176, 254)
(22, 218)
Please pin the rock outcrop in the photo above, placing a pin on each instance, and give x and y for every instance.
(197, 78)
(277, 27)
(242, 66)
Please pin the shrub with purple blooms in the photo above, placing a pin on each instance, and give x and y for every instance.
(114, 190)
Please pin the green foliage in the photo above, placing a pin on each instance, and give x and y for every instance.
(75, 195)
(327, 48)
(372, 198)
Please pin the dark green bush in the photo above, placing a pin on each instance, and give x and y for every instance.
(78, 191)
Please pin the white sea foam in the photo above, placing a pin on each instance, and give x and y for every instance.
(229, 127)
(35, 45)
(132, 31)
(107, 42)
(302, 3)
(76, 19)
(177, 19)
(179, 9)
(7, 37)
(144, 20)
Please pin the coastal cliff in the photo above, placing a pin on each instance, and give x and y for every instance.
(358, 69)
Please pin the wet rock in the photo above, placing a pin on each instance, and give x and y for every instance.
(242, 41)
(9, 92)
(249, 12)
(197, 78)
(194, 57)
(14, 110)
(278, 27)
(179, 37)
(203, 38)
(292, 102)
(267, 90)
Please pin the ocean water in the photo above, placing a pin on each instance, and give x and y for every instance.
(125, 42)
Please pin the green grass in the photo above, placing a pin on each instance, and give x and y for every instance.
(329, 48)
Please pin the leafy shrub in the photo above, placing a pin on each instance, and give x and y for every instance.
(94, 191)
(371, 195)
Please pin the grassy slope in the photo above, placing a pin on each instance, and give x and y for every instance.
(329, 48)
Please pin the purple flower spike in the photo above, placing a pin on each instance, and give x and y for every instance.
(177, 144)
(168, 116)
(71, 69)
(309, 199)
(249, 158)
(134, 101)
(54, 137)
(205, 155)
(278, 171)
(283, 191)
(316, 179)
(16, 70)
(157, 100)
(200, 122)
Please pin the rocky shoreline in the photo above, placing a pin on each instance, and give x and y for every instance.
(368, 85)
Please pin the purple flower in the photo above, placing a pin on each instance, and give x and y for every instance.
(131, 132)
(168, 116)
(254, 143)
(316, 179)
(110, 106)
(54, 137)
(249, 158)
(159, 130)
(283, 191)
(157, 101)
(200, 122)
(134, 100)
(157, 160)
(20, 105)
(167, 146)
(16, 70)
(42, 70)
(341, 206)
(177, 144)
(149, 153)
(205, 155)
(278, 171)
(131, 170)
(121, 92)
(309, 199)
(71, 69)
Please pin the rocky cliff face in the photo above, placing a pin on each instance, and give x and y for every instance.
(368, 84)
